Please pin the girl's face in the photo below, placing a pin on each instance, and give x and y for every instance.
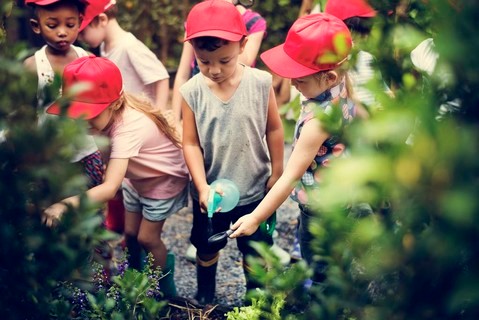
(101, 121)
(58, 26)
(313, 85)
(220, 64)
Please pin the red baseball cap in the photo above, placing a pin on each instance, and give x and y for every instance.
(93, 9)
(105, 87)
(345, 9)
(314, 43)
(41, 2)
(48, 2)
(215, 18)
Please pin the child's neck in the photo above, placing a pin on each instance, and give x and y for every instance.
(59, 59)
(226, 89)
(114, 34)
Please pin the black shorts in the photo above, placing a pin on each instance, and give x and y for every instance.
(221, 222)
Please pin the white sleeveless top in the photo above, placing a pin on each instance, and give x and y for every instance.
(45, 78)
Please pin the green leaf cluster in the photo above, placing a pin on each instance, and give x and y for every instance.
(129, 294)
(397, 221)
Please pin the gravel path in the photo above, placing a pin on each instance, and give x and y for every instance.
(230, 283)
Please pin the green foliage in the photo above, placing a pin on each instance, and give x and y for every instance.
(35, 171)
(415, 256)
(289, 114)
(255, 310)
(279, 16)
(130, 294)
(283, 288)
(158, 24)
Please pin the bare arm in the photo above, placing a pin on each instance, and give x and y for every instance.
(282, 90)
(193, 155)
(312, 137)
(30, 64)
(115, 172)
(275, 140)
(251, 49)
(162, 90)
(182, 75)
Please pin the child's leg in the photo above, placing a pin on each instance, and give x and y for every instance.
(207, 255)
(149, 237)
(305, 240)
(155, 212)
(245, 247)
(296, 249)
(132, 228)
(206, 266)
(133, 218)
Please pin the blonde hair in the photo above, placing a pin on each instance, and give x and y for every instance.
(145, 106)
(342, 72)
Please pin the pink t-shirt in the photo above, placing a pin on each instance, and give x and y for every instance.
(156, 167)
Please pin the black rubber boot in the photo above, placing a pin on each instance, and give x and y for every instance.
(206, 279)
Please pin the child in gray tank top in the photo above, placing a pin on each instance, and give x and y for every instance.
(231, 130)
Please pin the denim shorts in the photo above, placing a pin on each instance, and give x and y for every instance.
(153, 209)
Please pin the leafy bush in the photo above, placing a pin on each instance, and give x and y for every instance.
(129, 294)
(416, 256)
(35, 171)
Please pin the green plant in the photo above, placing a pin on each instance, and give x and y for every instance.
(256, 310)
(35, 171)
(158, 24)
(129, 294)
(415, 256)
(283, 294)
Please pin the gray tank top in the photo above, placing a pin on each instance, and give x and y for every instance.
(232, 133)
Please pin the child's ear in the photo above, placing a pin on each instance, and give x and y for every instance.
(102, 19)
(332, 76)
(243, 44)
(35, 26)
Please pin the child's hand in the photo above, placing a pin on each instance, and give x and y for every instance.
(52, 215)
(245, 226)
(203, 198)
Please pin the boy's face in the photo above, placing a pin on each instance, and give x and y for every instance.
(57, 25)
(220, 64)
(94, 33)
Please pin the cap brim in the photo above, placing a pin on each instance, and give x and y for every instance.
(85, 22)
(78, 109)
(42, 3)
(226, 35)
(280, 63)
(369, 14)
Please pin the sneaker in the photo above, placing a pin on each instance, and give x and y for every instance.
(275, 234)
(296, 251)
(190, 254)
(283, 256)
